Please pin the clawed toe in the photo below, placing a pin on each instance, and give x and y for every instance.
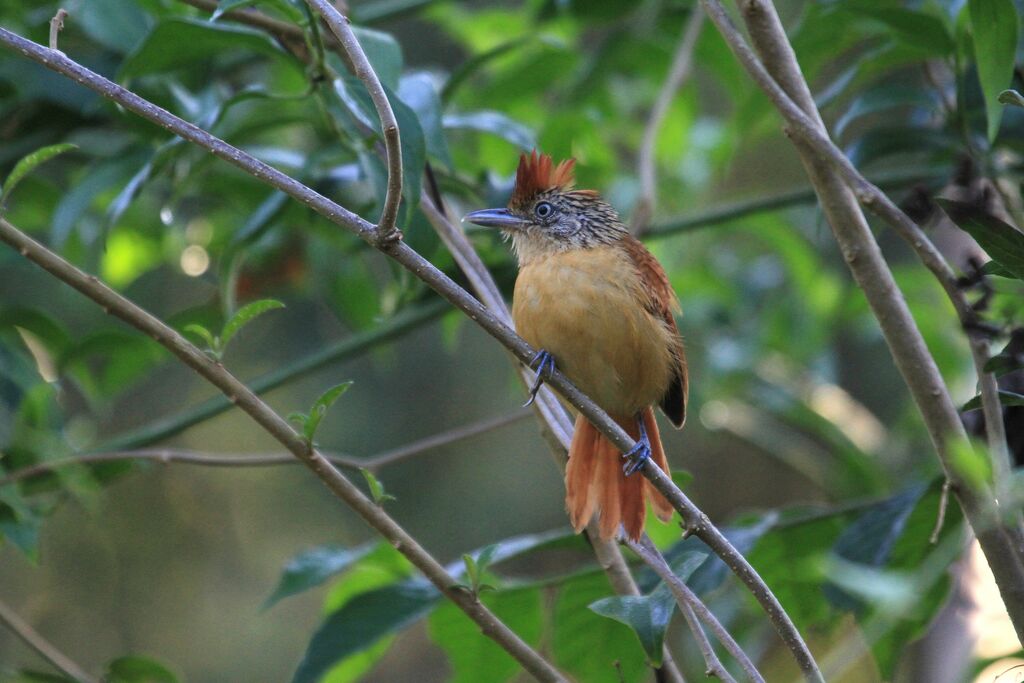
(544, 363)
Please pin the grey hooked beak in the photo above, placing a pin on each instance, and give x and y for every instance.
(496, 218)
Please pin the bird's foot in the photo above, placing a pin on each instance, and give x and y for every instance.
(544, 364)
(636, 455)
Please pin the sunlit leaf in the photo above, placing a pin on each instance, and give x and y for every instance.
(474, 658)
(29, 163)
(136, 669)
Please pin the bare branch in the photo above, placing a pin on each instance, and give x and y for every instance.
(42, 646)
(56, 26)
(341, 29)
(277, 427)
(830, 172)
(696, 522)
(677, 74)
(190, 457)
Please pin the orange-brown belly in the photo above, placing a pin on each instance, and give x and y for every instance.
(585, 308)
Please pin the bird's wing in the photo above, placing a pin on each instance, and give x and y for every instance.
(662, 302)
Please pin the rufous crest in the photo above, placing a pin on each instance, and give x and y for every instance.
(537, 173)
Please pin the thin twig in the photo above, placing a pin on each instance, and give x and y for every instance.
(670, 227)
(677, 74)
(831, 172)
(696, 522)
(256, 19)
(688, 600)
(42, 646)
(341, 29)
(283, 432)
(56, 26)
(190, 457)
(350, 347)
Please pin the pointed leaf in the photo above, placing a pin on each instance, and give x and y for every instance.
(1011, 97)
(314, 567)
(244, 316)
(376, 487)
(994, 26)
(204, 334)
(362, 622)
(494, 123)
(319, 409)
(136, 669)
(29, 162)
(1007, 398)
(1004, 243)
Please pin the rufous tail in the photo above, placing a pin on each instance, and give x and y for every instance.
(595, 483)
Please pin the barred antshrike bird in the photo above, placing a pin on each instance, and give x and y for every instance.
(600, 307)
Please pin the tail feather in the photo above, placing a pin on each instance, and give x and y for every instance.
(579, 473)
(662, 508)
(595, 482)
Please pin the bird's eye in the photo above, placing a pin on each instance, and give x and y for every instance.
(543, 210)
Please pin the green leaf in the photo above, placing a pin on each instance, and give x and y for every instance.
(994, 27)
(1002, 242)
(376, 488)
(212, 343)
(918, 30)
(29, 162)
(413, 145)
(993, 268)
(244, 316)
(114, 24)
(588, 646)
(494, 123)
(649, 615)
(417, 91)
(136, 669)
(362, 622)
(473, 657)
(313, 567)
(319, 409)
(383, 52)
(1007, 398)
(1011, 97)
(228, 5)
(162, 49)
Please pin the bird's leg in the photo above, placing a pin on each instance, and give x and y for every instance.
(543, 363)
(640, 452)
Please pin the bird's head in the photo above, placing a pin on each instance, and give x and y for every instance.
(545, 215)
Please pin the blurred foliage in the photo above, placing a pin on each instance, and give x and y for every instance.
(785, 354)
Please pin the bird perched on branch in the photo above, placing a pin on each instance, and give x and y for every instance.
(600, 307)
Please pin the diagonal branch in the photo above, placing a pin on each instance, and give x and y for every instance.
(42, 646)
(341, 29)
(278, 428)
(833, 176)
(696, 521)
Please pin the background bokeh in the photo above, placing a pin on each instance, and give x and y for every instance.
(799, 419)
